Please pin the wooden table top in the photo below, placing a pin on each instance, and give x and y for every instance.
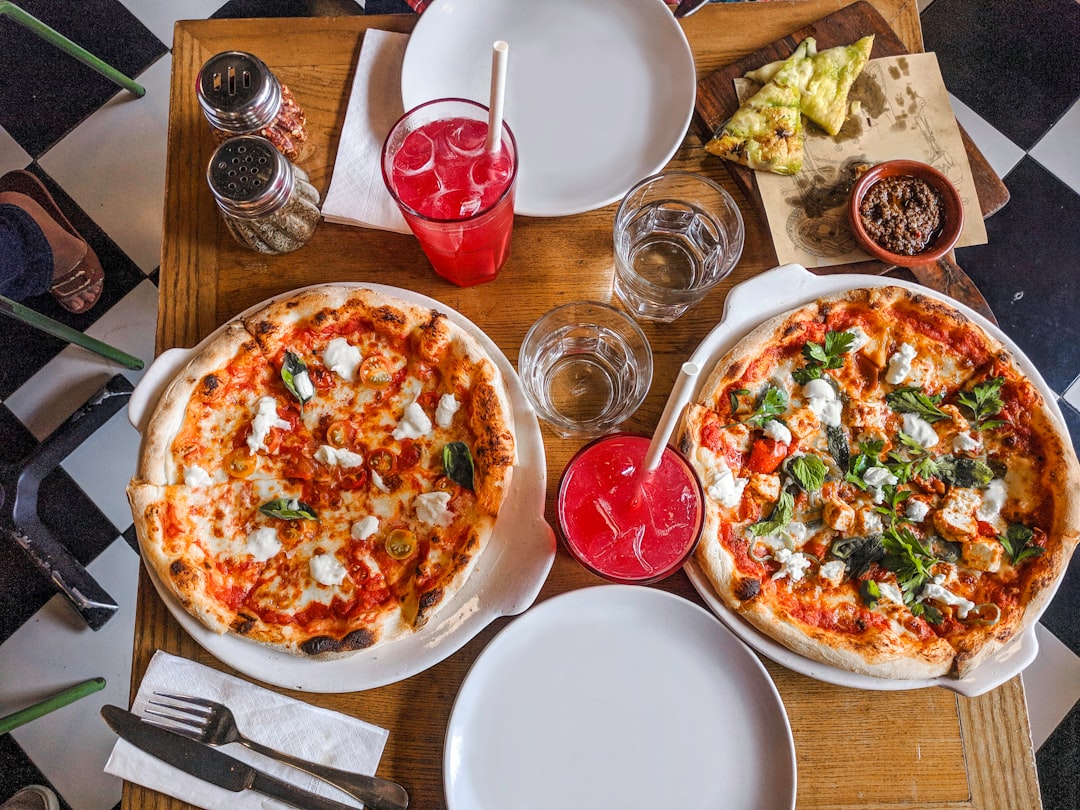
(938, 749)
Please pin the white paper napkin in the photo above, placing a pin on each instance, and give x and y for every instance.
(357, 193)
(285, 724)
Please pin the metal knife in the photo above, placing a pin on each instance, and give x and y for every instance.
(211, 766)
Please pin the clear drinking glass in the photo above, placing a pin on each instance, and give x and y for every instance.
(457, 198)
(676, 236)
(585, 367)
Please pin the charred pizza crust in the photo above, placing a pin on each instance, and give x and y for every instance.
(347, 467)
(969, 519)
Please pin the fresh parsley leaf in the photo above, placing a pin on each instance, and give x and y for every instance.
(820, 356)
(294, 374)
(915, 462)
(779, 519)
(288, 509)
(961, 471)
(808, 472)
(1017, 541)
(891, 499)
(928, 612)
(869, 453)
(773, 403)
(906, 557)
(912, 399)
(984, 401)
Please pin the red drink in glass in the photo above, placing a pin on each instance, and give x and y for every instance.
(623, 524)
(455, 195)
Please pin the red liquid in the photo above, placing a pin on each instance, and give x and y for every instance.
(462, 212)
(625, 526)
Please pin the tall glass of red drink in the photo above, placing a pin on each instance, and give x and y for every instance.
(455, 195)
(624, 523)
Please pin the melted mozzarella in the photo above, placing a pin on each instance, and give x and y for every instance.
(920, 430)
(342, 358)
(326, 570)
(265, 418)
(993, 498)
(793, 564)
(900, 364)
(263, 543)
(338, 457)
(777, 431)
(364, 528)
(861, 338)
(934, 590)
(720, 483)
(414, 423)
(431, 508)
(304, 387)
(823, 401)
(444, 413)
(966, 443)
(916, 510)
(196, 476)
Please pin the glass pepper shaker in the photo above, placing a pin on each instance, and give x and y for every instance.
(267, 203)
(239, 95)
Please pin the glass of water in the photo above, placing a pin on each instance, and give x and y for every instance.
(586, 367)
(676, 236)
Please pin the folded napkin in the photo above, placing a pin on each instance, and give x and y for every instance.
(357, 193)
(289, 725)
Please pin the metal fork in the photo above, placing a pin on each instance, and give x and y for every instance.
(213, 723)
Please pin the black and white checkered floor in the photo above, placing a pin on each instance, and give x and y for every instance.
(1010, 67)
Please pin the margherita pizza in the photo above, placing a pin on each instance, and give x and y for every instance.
(323, 475)
(886, 491)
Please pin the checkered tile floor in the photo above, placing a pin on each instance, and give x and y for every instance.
(1012, 71)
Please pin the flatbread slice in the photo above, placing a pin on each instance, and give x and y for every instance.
(766, 132)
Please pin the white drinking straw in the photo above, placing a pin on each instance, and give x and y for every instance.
(498, 89)
(680, 395)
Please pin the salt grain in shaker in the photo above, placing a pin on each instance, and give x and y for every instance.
(239, 95)
(267, 203)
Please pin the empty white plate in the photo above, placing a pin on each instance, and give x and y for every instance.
(618, 696)
(599, 94)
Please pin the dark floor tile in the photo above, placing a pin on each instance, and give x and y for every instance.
(1029, 269)
(1015, 64)
(1056, 761)
(31, 347)
(44, 91)
(387, 7)
(236, 9)
(69, 515)
(18, 771)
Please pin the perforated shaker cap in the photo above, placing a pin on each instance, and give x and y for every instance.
(249, 177)
(237, 92)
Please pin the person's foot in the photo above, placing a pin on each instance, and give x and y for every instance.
(34, 797)
(77, 275)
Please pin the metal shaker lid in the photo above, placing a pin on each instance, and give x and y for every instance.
(249, 177)
(237, 92)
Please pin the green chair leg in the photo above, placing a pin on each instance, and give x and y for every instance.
(60, 41)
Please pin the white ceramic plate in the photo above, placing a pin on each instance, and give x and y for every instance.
(757, 300)
(618, 696)
(506, 580)
(599, 94)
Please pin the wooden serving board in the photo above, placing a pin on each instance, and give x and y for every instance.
(717, 100)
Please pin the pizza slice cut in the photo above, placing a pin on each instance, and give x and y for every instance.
(766, 131)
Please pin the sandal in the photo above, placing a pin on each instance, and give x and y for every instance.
(80, 288)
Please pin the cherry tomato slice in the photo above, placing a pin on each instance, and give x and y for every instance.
(240, 464)
(375, 371)
(400, 543)
(337, 434)
(381, 461)
(293, 531)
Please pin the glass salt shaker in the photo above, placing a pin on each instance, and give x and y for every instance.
(239, 95)
(267, 203)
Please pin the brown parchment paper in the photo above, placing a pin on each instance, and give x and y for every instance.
(900, 110)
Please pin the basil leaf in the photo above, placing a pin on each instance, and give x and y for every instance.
(294, 374)
(1017, 541)
(808, 471)
(734, 397)
(457, 461)
(984, 400)
(912, 399)
(288, 509)
(779, 519)
(870, 592)
(961, 471)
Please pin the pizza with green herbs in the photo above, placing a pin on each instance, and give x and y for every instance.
(887, 492)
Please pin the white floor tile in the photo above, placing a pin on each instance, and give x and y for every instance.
(1072, 394)
(44, 401)
(1051, 684)
(999, 151)
(1057, 151)
(12, 156)
(54, 650)
(113, 166)
(159, 17)
(104, 464)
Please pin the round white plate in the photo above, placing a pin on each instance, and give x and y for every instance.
(618, 696)
(599, 94)
(505, 581)
(749, 304)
